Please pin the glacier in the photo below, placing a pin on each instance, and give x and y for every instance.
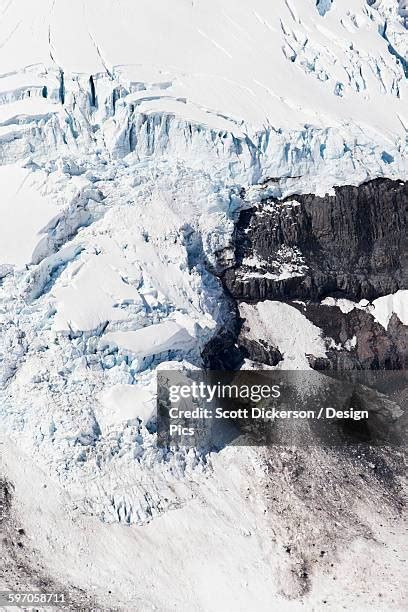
(131, 136)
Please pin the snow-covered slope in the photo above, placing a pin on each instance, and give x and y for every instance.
(272, 89)
(127, 132)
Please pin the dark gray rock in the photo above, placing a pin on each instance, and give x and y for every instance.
(353, 244)
(259, 350)
(375, 348)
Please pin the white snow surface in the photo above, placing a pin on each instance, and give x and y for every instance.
(382, 309)
(122, 403)
(158, 338)
(24, 212)
(285, 328)
(287, 263)
(217, 56)
(256, 90)
(222, 546)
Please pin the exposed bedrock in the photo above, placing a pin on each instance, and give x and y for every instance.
(356, 341)
(304, 248)
(258, 350)
(352, 244)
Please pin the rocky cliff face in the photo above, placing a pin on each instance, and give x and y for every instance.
(353, 244)
(356, 341)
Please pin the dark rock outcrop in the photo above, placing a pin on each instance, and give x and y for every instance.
(258, 350)
(353, 244)
(361, 342)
